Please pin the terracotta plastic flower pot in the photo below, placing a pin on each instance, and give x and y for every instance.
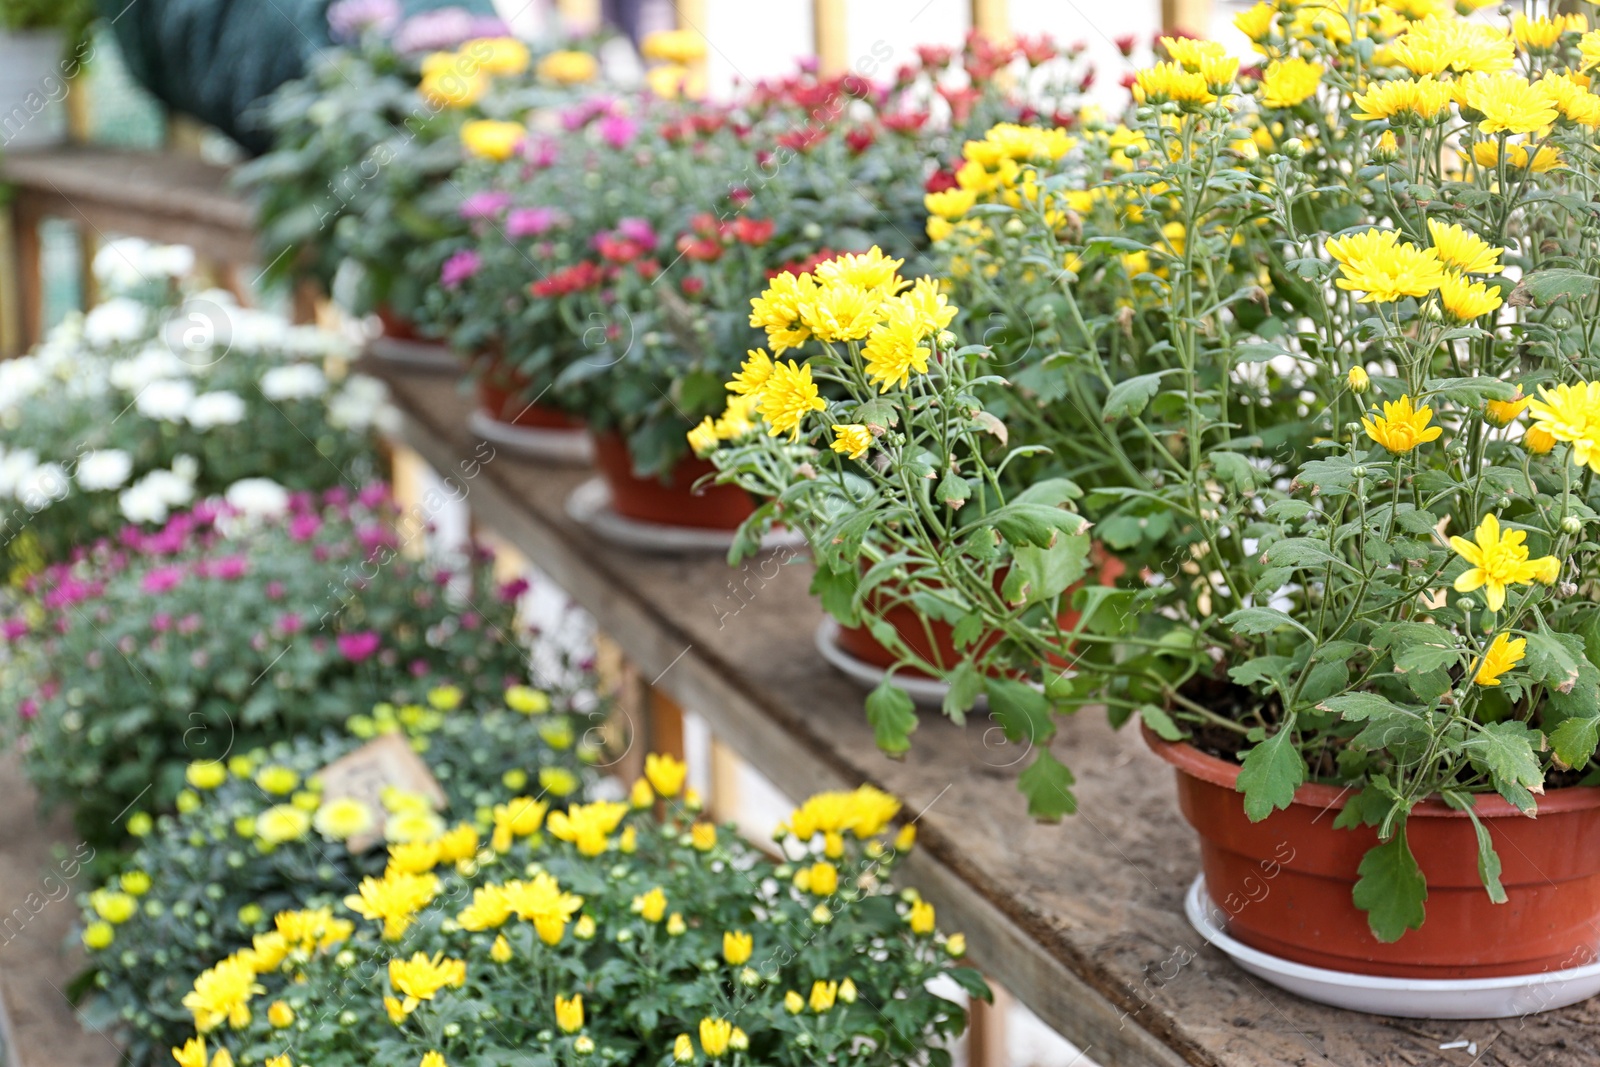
(502, 393)
(395, 325)
(675, 501)
(1283, 884)
(934, 639)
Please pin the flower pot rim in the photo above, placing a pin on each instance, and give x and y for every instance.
(1208, 768)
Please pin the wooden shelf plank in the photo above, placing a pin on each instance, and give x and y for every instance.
(1082, 922)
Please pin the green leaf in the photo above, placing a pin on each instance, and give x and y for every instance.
(1508, 751)
(1021, 710)
(1121, 531)
(1049, 572)
(1356, 707)
(1235, 470)
(1161, 723)
(1048, 786)
(965, 683)
(1272, 771)
(1574, 741)
(1547, 286)
(1263, 621)
(892, 716)
(1488, 859)
(1129, 396)
(1391, 890)
(1300, 552)
(836, 590)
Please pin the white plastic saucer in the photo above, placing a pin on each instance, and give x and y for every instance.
(924, 691)
(590, 506)
(1411, 998)
(418, 355)
(535, 442)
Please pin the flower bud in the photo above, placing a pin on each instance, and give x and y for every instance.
(1572, 525)
(584, 1045)
(1358, 380)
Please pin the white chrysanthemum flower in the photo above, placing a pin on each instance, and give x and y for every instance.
(118, 321)
(165, 400)
(296, 381)
(15, 467)
(20, 379)
(153, 363)
(361, 404)
(141, 503)
(257, 497)
(105, 468)
(220, 408)
(43, 486)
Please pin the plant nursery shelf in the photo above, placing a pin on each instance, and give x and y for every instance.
(1082, 921)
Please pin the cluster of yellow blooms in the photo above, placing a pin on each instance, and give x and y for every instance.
(856, 300)
(460, 78)
(677, 63)
(223, 992)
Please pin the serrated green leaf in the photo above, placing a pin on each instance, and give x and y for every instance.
(965, 684)
(1048, 786)
(1161, 723)
(1574, 741)
(1508, 752)
(1263, 621)
(1391, 889)
(892, 716)
(1131, 395)
(1489, 868)
(1272, 771)
(1022, 711)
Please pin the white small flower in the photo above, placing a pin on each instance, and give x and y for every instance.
(43, 486)
(15, 468)
(167, 400)
(20, 379)
(362, 403)
(220, 408)
(258, 497)
(296, 381)
(141, 503)
(174, 488)
(106, 468)
(118, 321)
(153, 363)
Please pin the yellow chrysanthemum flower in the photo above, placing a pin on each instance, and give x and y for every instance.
(1503, 653)
(1425, 99)
(1289, 81)
(865, 812)
(455, 83)
(867, 270)
(951, 204)
(587, 826)
(1439, 44)
(1401, 428)
(737, 946)
(206, 774)
(1589, 49)
(1502, 413)
(714, 1036)
(703, 439)
(311, 928)
(1571, 96)
(789, 397)
(1170, 82)
(1509, 103)
(777, 310)
(1499, 560)
(569, 1013)
(842, 311)
(413, 857)
(674, 46)
(395, 898)
(282, 823)
(497, 55)
(1464, 299)
(342, 818)
(894, 350)
(1464, 250)
(851, 439)
(823, 996)
(492, 139)
(568, 67)
(1571, 413)
(920, 917)
(222, 994)
(1384, 269)
(420, 977)
(192, 1054)
(1256, 22)
(651, 906)
(1539, 34)
(1486, 154)
(665, 773)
